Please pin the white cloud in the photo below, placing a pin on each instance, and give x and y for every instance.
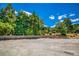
(53, 26)
(45, 26)
(62, 16)
(59, 17)
(28, 13)
(61, 20)
(16, 12)
(72, 15)
(74, 20)
(51, 17)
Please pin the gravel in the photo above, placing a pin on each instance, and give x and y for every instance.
(40, 47)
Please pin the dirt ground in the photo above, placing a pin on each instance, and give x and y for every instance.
(40, 47)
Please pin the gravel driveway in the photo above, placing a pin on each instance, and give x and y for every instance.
(40, 47)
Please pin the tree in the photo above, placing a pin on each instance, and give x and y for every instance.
(8, 17)
(68, 25)
(6, 29)
(22, 23)
(36, 24)
(76, 28)
(65, 26)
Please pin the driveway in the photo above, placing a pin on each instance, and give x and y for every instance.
(40, 47)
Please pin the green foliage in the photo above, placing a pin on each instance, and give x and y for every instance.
(24, 24)
(36, 24)
(29, 31)
(6, 29)
(20, 23)
(76, 28)
(68, 25)
(64, 27)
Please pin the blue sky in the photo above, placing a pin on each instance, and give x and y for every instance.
(50, 13)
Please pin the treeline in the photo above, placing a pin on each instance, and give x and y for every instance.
(66, 27)
(20, 24)
(24, 24)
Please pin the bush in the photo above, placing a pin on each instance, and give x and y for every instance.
(63, 32)
(6, 29)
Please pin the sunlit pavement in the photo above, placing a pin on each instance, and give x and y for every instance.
(40, 47)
